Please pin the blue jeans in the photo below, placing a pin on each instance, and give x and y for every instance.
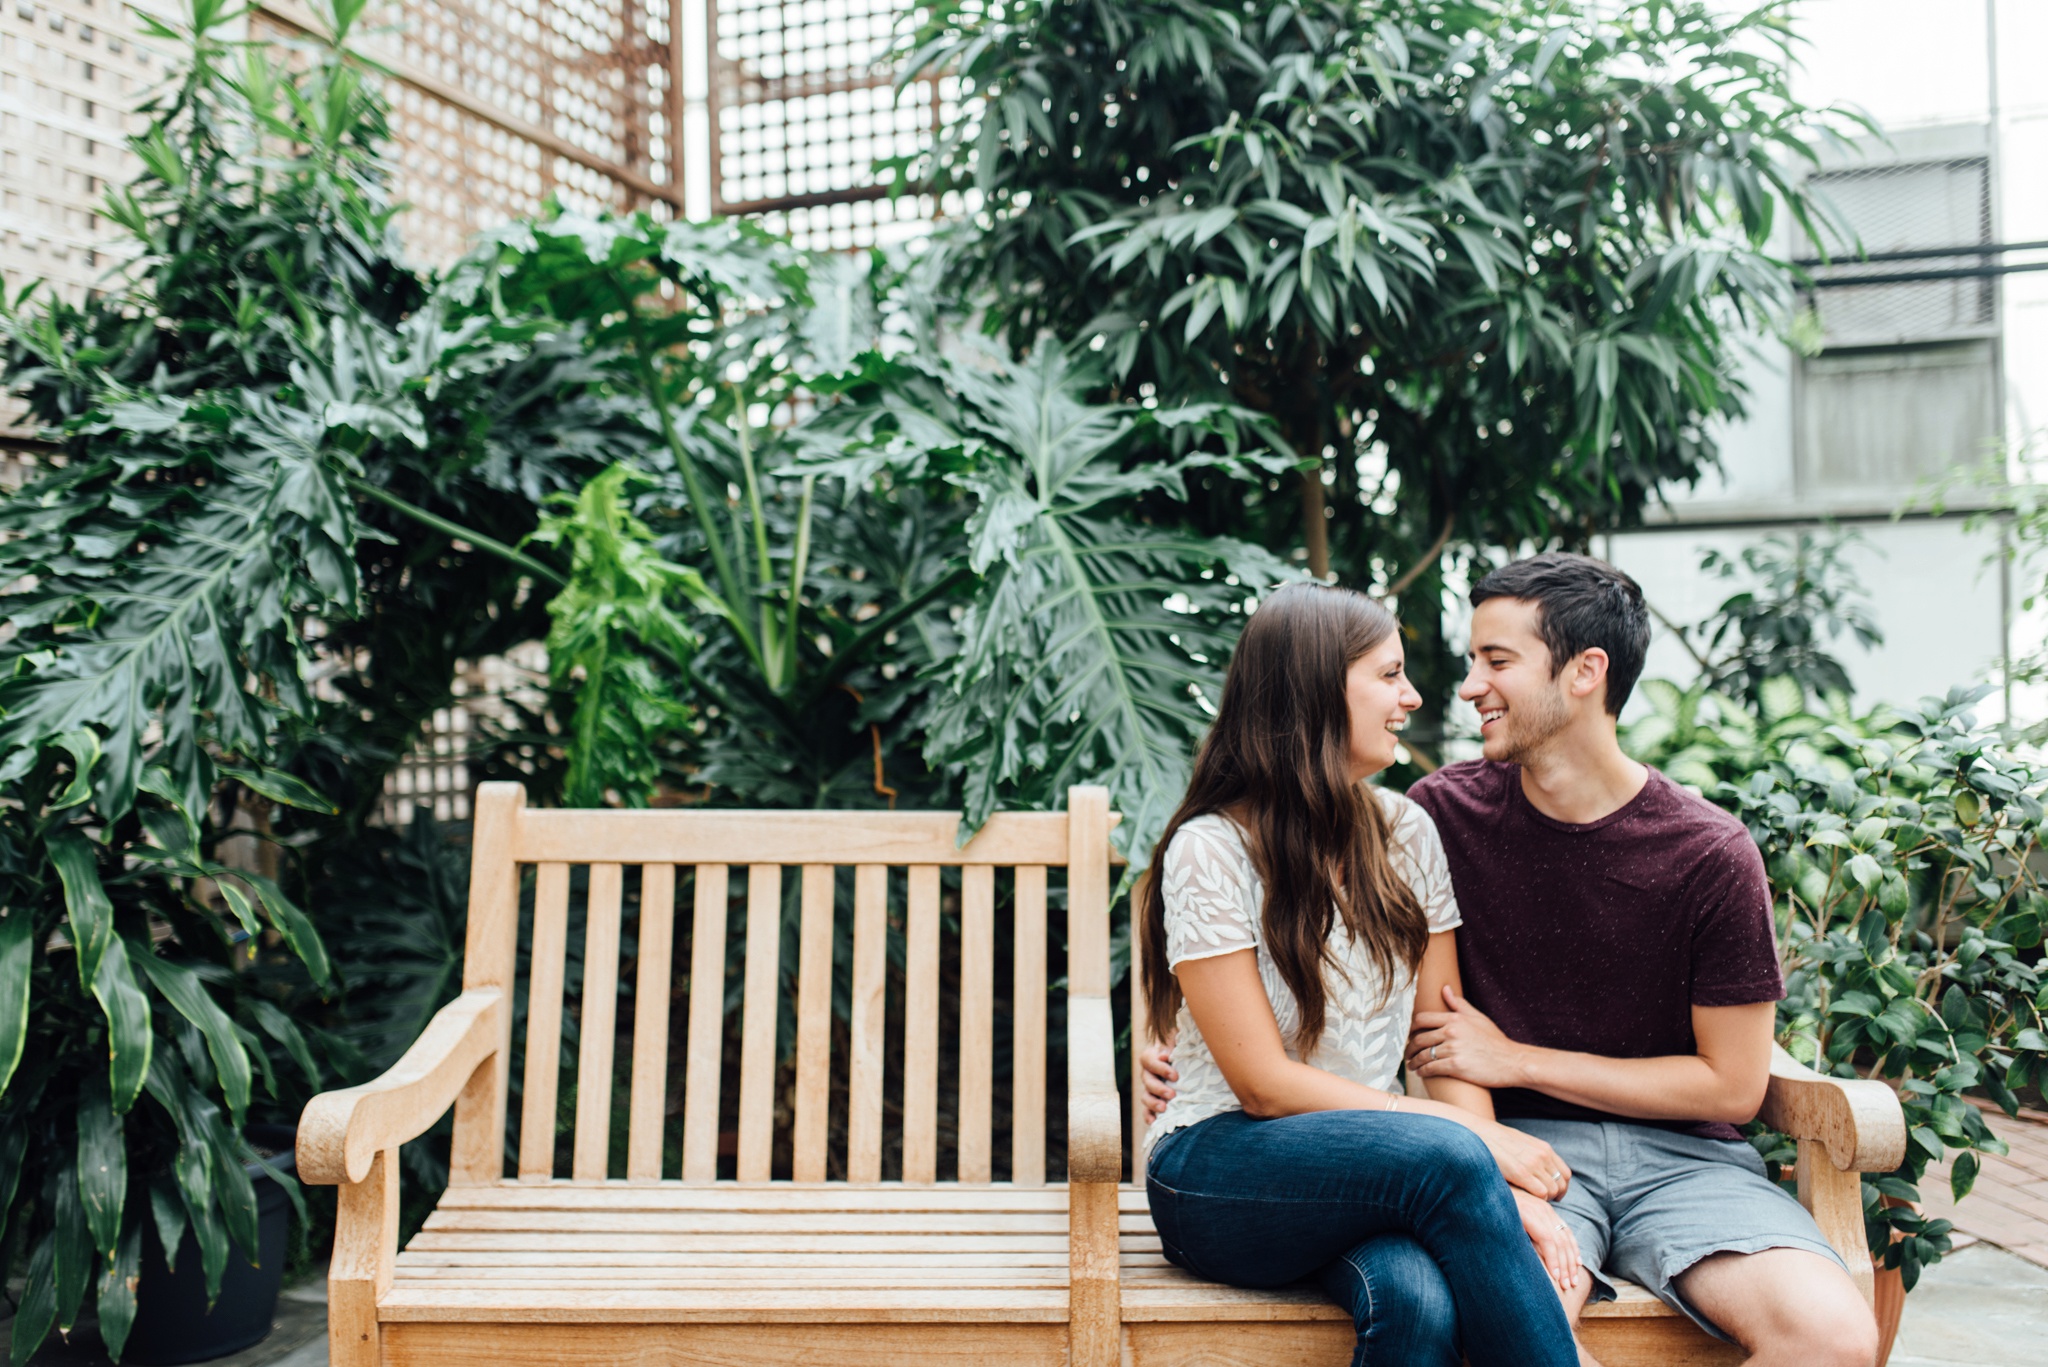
(1404, 1219)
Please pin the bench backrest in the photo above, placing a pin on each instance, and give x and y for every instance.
(712, 855)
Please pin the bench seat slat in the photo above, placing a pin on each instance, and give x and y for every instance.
(796, 1305)
(764, 1196)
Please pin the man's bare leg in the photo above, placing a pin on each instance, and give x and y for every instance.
(1785, 1306)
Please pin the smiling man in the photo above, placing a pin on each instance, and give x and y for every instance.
(1621, 976)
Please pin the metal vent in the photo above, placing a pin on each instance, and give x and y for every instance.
(1913, 207)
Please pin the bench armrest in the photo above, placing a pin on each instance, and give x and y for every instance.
(1858, 1121)
(1095, 1138)
(1095, 1168)
(341, 1132)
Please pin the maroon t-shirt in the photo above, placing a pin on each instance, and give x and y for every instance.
(1601, 938)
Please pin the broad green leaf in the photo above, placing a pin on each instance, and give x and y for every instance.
(279, 786)
(17, 958)
(232, 1185)
(285, 1031)
(185, 992)
(83, 745)
(238, 902)
(1781, 697)
(119, 1278)
(85, 900)
(13, 1144)
(298, 931)
(71, 1249)
(102, 1163)
(167, 1208)
(36, 1311)
(129, 1037)
(1963, 1175)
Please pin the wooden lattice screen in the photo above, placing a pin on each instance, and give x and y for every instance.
(782, 106)
(803, 104)
(501, 103)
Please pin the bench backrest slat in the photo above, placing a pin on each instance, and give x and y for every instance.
(648, 1107)
(922, 943)
(544, 1022)
(977, 1019)
(599, 1025)
(814, 1025)
(707, 1035)
(864, 1074)
(1027, 1126)
(759, 1008)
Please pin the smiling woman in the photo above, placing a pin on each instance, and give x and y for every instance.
(1288, 1151)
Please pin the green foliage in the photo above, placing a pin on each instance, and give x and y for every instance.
(1483, 262)
(613, 628)
(1900, 847)
(1094, 640)
(238, 420)
(1802, 597)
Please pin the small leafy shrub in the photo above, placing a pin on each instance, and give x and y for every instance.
(1901, 845)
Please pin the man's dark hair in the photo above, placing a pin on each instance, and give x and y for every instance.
(1580, 603)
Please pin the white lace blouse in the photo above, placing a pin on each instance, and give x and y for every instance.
(1214, 900)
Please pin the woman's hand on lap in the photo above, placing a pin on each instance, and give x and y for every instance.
(1554, 1242)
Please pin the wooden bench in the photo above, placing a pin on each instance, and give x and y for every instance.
(667, 1249)
(1844, 1128)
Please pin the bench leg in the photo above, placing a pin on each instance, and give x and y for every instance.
(365, 1245)
(1835, 1199)
(1094, 1307)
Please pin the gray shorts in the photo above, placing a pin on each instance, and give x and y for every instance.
(1646, 1204)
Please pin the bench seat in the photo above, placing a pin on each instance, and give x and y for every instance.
(570, 1258)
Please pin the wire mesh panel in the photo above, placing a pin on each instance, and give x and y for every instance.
(803, 104)
(1911, 207)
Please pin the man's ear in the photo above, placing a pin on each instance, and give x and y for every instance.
(1586, 676)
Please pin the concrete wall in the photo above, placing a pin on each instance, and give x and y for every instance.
(1924, 70)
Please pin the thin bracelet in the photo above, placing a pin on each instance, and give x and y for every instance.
(1393, 1102)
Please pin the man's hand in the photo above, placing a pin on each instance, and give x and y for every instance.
(1464, 1043)
(1157, 1063)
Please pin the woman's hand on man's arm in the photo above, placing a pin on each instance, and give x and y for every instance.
(1229, 1003)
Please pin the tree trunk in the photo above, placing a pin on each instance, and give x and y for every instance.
(1315, 524)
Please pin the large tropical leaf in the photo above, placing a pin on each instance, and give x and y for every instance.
(1095, 643)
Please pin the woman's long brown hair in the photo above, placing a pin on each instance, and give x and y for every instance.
(1278, 758)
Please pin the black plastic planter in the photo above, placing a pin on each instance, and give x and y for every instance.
(172, 1322)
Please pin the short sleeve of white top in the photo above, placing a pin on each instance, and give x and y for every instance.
(1214, 902)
